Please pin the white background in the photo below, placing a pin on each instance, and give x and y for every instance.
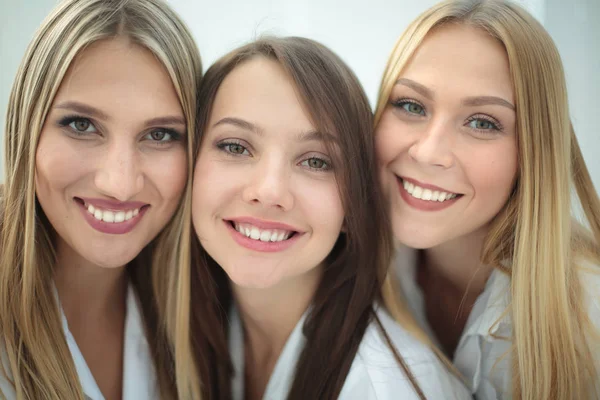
(361, 32)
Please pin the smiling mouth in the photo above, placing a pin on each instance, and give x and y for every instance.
(421, 193)
(263, 235)
(111, 216)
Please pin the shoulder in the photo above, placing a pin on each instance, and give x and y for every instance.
(7, 389)
(376, 374)
(589, 276)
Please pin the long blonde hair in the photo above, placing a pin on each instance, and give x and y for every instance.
(35, 355)
(535, 231)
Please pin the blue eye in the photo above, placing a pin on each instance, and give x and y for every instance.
(482, 124)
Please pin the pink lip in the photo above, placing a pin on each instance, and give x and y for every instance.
(112, 205)
(262, 224)
(112, 228)
(259, 245)
(424, 205)
(426, 185)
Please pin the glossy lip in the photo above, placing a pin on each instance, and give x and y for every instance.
(259, 245)
(424, 205)
(118, 228)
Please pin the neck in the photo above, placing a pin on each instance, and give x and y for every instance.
(86, 291)
(269, 315)
(458, 262)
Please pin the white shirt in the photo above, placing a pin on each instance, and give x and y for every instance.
(139, 377)
(483, 351)
(374, 373)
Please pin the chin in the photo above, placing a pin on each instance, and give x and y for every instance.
(111, 261)
(416, 239)
(249, 280)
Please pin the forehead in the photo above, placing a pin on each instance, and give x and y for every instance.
(464, 59)
(261, 92)
(119, 72)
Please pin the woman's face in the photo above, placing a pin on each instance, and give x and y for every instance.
(266, 205)
(447, 142)
(111, 159)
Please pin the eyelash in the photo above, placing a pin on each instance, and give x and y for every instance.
(496, 126)
(65, 122)
(225, 146)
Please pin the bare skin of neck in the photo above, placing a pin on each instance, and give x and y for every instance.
(94, 302)
(269, 315)
(451, 277)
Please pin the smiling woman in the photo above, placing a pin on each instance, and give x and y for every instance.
(480, 162)
(293, 237)
(95, 209)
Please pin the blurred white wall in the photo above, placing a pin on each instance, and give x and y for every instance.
(361, 32)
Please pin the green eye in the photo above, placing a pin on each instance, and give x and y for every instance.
(316, 164)
(413, 108)
(236, 148)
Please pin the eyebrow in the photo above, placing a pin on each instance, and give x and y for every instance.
(96, 113)
(417, 87)
(83, 109)
(469, 101)
(304, 136)
(487, 100)
(240, 123)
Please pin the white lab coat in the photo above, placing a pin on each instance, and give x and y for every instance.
(139, 377)
(374, 373)
(483, 351)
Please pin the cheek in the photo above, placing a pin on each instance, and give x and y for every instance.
(213, 183)
(168, 172)
(321, 203)
(57, 165)
(391, 139)
(493, 174)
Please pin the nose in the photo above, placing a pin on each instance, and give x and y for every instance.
(269, 185)
(120, 175)
(433, 146)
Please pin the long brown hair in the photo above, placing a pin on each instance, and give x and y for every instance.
(34, 349)
(342, 306)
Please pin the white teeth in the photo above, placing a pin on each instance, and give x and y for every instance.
(274, 236)
(108, 216)
(426, 194)
(264, 235)
(112, 216)
(254, 234)
(120, 216)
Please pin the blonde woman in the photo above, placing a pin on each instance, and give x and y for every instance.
(95, 206)
(478, 157)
